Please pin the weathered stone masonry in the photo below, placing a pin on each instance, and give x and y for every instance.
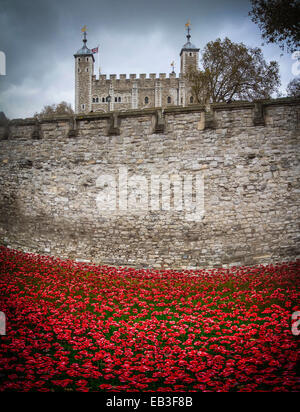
(249, 154)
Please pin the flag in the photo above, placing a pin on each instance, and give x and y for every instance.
(95, 50)
(188, 24)
(83, 29)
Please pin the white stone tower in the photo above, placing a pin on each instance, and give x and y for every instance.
(84, 70)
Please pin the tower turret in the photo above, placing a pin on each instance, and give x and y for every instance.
(189, 55)
(84, 70)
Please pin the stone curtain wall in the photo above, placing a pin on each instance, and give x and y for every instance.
(248, 153)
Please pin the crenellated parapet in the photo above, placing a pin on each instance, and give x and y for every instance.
(135, 77)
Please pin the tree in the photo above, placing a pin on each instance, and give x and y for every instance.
(293, 88)
(3, 118)
(199, 83)
(62, 108)
(278, 21)
(231, 71)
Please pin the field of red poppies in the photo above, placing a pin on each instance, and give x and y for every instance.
(79, 327)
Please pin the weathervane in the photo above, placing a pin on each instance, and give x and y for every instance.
(83, 30)
(188, 27)
(173, 65)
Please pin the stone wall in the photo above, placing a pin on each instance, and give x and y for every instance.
(50, 177)
(161, 91)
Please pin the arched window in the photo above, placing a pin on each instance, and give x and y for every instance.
(146, 100)
(119, 99)
(169, 99)
(191, 99)
(103, 99)
(94, 99)
(97, 100)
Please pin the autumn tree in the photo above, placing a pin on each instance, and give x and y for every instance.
(232, 71)
(62, 108)
(293, 88)
(278, 21)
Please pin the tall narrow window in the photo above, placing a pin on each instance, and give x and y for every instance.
(169, 99)
(146, 100)
(191, 99)
(119, 99)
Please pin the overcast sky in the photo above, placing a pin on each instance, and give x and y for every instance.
(39, 38)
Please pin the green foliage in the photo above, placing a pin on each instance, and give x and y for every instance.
(278, 21)
(233, 71)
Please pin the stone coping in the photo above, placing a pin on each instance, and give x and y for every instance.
(153, 111)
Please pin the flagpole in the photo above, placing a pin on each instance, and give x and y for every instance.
(98, 61)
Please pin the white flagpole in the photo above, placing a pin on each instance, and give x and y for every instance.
(98, 61)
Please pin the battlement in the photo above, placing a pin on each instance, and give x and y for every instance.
(137, 77)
